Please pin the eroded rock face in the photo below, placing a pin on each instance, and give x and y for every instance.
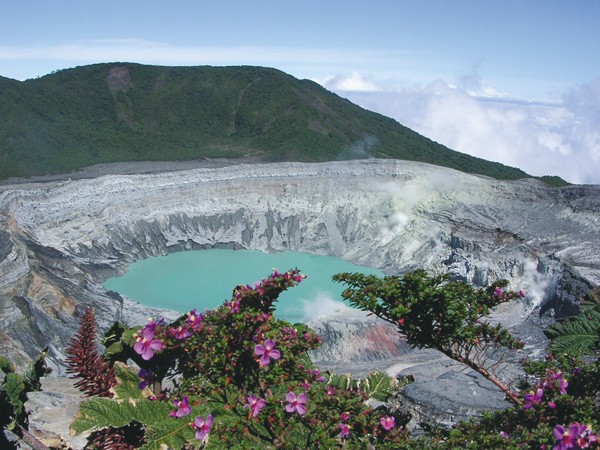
(60, 240)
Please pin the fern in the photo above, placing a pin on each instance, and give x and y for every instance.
(98, 413)
(579, 335)
(127, 383)
(103, 416)
(160, 430)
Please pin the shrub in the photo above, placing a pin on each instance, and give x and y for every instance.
(13, 395)
(237, 377)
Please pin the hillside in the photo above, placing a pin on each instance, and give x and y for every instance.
(129, 112)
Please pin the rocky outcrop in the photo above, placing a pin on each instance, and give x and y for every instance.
(61, 239)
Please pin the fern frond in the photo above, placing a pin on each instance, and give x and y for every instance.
(161, 430)
(127, 383)
(97, 413)
(170, 434)
(579, 335)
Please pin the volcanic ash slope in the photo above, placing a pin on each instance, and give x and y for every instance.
(60, 240)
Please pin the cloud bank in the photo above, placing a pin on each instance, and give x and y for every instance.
(560, 137)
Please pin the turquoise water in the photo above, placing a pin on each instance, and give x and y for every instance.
(205, 278)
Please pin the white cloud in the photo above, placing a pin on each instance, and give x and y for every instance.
(355, 82)
(542, 138)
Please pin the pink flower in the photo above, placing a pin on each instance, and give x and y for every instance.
(296, 403)
(387, 422)
(147, 345)
(256, 404)
(180, 333)
(344, 430)
(202, 426)
(266, 352)
(577, 436)
(344, 416)
(533, 399)
(194, 319)
(298, 277)
(145, 376)
(317, 375)
(555, 379)
(521, 293)
(234, 306)
(183, 408)
(152, 324)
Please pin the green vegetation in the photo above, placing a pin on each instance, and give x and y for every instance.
(240, 378)
(128, 112)
(435, 312)
(579, 334)
(553, 181)
(14, 388)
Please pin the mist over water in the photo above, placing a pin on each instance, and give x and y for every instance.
(204, 279)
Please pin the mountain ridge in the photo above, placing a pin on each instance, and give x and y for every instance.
(117, 112)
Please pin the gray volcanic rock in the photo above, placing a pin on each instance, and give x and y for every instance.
(60, 240)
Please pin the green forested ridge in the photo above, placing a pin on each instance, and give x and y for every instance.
(129, 112)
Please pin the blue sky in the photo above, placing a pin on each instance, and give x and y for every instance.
(512, 81)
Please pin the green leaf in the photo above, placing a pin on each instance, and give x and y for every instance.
(160, 429)
(14, 389)
(127, 383)
(5, 365)
(379, 385)
(102, 412)
(580, 335)
(35, 370)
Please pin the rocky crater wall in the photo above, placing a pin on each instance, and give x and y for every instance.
(60, 240)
